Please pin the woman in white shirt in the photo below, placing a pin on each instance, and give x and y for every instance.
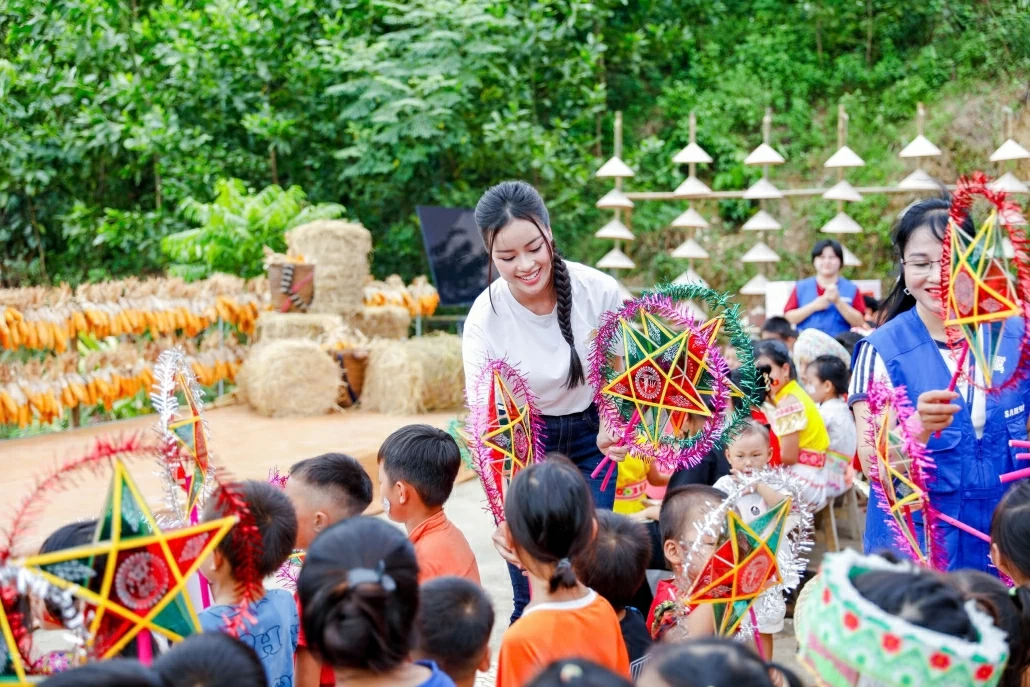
(540, 316)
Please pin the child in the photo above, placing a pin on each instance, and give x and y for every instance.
(359, 593)
(826, 381)
(779, 329)
(1010, 611)
(577, 673)
(747, 452)
(210, 660)
(272, 630)
(631, 484)
(324, 490)
(417, 468)
(453, 627)
(549, 518)
(1010, 534)
(713, 662)
(681, 508)
(117, 672)
(614, 566)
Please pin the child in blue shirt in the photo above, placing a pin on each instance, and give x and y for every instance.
(272, 633)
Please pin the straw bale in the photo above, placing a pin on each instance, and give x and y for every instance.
(274, 326)
(290, 378)
(383, 322)
(420, 375)
(340, 252)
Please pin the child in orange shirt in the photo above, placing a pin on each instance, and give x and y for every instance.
(681, 508)
(417, 468)
(323, 490)
(549, 519)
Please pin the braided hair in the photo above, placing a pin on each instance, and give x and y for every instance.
(500, 206)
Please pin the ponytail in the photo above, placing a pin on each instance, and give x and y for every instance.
(563, 290)
(563, 576)
(500, 206)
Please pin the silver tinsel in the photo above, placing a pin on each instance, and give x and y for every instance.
(29, 583)
(792, 556)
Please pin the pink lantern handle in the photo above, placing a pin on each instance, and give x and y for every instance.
(963, 526)
(1014, 475)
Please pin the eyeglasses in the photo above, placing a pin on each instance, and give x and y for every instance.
(920, 268)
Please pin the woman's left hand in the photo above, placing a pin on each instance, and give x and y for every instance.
(607, 444)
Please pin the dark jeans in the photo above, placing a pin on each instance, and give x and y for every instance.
(574, 436)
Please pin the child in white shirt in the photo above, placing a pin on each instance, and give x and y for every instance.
(826, 381)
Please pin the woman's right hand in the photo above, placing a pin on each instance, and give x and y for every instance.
(936, 411)
(500, 538)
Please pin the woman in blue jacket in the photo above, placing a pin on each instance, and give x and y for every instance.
(967, 431)
(827, 302)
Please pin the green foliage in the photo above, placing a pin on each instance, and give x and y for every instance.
(236, 226)
(115, 113)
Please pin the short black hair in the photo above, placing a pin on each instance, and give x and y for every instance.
(780, 327)
(274, 516)
(578, 672)
(359, 594)
(871, 303)
(777, 352)
(822, 245)
(830, 368)
(1010, 526)
(615, 564)
(116, 672)
(425, 457)
(920, 597)
(455, 618)
(211, 659)
(714, 661)
(849, 340)
(339, 476)
(683, 505)
(70, 536)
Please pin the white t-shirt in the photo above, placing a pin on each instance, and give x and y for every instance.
(533, 344)
(869, 366)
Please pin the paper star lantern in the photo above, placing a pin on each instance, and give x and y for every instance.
(504, 430)
(134, 576)
(743, 562)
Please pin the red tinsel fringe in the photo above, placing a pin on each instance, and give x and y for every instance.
(247, 540)
(104, 450)
(1008, 212)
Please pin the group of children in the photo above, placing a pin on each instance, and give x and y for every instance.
(376, 605)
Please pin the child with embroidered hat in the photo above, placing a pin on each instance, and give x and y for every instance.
(417, 468)
(324, 490)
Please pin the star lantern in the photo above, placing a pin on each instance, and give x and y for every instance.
(191, 439)
(743, 563)
(508, 436)
(134, 576)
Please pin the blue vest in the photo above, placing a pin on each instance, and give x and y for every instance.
(830, 320)
(964, 484)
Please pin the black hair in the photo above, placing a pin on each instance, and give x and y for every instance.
(116, 672)
(615, 564)
(70, 536)
(210, 659)
(274, 516)
(1010, 527)
(578, 672)
(1010, 611)
(358, 593)
(871, 303)
(849, 340)
(340, 476)
(776, 351)
(714, 662)
(550, 515)
(920, 598)
(823, 244)
(453, 626)
(931, 213)
(683, 505)
(500, 206)
(830, 368)
(779, 326)
(425, 457)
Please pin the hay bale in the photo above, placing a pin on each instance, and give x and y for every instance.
(290, 378)
(276, 326)
(420, 375)
(340, 252)
(383, 322)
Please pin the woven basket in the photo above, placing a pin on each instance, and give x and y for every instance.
(352, 369)
(302, 285)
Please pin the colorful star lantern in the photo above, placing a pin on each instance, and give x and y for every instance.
(902, 472)
(134, 575)
(980, 292)
(504, 430)
(742, 565)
